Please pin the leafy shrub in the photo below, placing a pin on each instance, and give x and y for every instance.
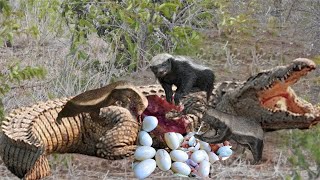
(137, 29)
(14, 75)
(304, 145)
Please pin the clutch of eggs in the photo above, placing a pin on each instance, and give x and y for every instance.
(184, 155)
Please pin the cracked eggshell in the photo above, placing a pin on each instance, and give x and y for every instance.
(191, 163)
(144, 152)
(149, 123)
(199, 156)
(195, 148)
(171, 140)
(144, 138)
(189, 135)
(144, 168)
(163, 160)
(181, 168)
(213, 157)
(204, 168)
(179, 156)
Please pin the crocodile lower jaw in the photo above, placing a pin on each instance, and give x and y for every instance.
(279, 96)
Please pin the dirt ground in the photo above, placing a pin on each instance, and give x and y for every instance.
(274, 166)
(75, 166)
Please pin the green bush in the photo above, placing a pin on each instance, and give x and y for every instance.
(138, 29)
(305, 148)
(15, 75)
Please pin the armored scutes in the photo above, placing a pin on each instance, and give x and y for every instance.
(29, 134)
(267, 98)
(264, 101)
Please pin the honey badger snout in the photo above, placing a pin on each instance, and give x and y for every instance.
(159, 71)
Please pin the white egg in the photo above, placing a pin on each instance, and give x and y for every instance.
(206, 155)
(149, 123)
(224, 151)
(144, 138)
(134, 164)
(192, 141)
(183, 149)
(144, 152)
(180, 137)
(205, 146)
(181, 168)
(144, 168)
(172, 140)
(163, 160)
(179, 156)
(199, 156)
(204, 168)
(213, 157)
(225, 158)
(197, 146)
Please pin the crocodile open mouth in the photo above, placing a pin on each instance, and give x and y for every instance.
(277, 95)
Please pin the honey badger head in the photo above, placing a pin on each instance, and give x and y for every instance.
(161, 64)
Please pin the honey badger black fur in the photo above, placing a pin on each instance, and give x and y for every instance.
(244, 131)
(183, 73)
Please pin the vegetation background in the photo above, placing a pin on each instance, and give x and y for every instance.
(55, 48)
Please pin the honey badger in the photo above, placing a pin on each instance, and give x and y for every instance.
(226, 127)
(183, 73)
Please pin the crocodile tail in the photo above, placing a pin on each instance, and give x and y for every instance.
(29, 134)
(19, 149)
(40, 169)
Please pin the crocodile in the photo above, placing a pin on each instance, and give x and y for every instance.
(265, 102)
(30, 134)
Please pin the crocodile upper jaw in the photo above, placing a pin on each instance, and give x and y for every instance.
(278, 95)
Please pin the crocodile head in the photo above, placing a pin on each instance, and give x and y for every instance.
(268, 98)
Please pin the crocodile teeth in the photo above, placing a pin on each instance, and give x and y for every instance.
(293, 114)
(299, 66)
(309, 115)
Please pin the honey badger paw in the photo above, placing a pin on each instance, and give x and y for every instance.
(29, 134)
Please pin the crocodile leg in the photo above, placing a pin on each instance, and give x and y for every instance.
(120, 140)
(222, 135)
(254, 144)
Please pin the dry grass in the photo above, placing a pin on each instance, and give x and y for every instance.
(67, 76)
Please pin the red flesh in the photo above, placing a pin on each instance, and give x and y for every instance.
(158, 107)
